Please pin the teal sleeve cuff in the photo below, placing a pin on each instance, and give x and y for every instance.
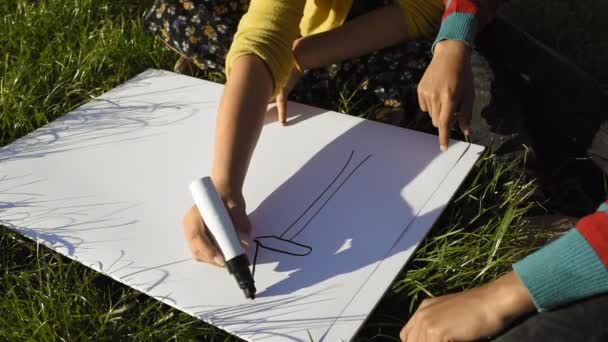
(564, 271)
(458, 26)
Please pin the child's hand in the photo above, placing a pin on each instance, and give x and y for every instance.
(201, 243)
(470, 315)
(446, 90)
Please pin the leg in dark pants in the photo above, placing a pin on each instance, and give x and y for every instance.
(565, 116)
(585, 321)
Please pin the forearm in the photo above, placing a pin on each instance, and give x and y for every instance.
(353, 39)
(571, 268)
(239, 123)
(511, 298)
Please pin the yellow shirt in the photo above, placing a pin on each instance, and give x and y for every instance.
(269, 28)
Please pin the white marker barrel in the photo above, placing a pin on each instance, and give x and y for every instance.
(216, 217)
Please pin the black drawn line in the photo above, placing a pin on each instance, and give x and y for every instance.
(321, 195)
(285, 240)
(259, 244)
(331, 196)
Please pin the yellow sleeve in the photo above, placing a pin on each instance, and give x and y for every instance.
(268, 30)
(423, 17)
(321, 16)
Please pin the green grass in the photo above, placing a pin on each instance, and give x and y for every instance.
(47, 297)
(56, 55)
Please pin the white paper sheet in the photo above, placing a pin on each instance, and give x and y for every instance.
(107, 185)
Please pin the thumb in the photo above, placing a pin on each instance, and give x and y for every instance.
(245, 238)
(242, 225)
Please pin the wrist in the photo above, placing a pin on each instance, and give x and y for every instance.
(510, 298)
(451, 47)
(230, 193)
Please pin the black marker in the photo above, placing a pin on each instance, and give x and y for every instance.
(218, 221)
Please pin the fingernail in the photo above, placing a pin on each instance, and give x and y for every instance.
(443, 148)
(219, 260)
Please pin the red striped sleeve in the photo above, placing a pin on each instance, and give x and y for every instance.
(483, 10)
(594, 228)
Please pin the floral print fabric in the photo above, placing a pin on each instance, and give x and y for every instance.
(203, 30)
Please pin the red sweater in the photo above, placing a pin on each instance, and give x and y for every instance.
(576, 265)
(463, 19)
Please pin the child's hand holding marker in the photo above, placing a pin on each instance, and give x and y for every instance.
(201, 242)
(217, 239)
